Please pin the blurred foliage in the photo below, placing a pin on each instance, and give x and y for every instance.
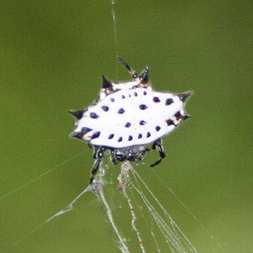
(52, 56)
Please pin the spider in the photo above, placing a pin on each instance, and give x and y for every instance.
(129, 119)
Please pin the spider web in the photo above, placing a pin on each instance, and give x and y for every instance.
(136, 193)
(131, 183)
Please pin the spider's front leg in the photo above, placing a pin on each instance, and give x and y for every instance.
(98, 156)
(157, 145)
(130, 70)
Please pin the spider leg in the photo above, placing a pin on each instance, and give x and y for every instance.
(144, 76)
(130, 70)
(114, 158)
(98, 156)
(159, 147)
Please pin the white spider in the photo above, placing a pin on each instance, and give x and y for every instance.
(128, 117)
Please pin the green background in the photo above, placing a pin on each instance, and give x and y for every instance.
(52, 54)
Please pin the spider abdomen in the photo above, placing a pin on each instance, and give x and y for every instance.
(133, 116)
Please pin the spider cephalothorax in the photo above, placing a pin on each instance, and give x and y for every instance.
(128, 117)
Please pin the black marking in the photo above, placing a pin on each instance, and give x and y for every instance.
(106, 84)
(178, 115)
(156, 99)
(93, 115)
(123, 97)
(128, 124)
(144, 75)
(121, 111)
(78, 135)
(184, 95)
(139, 136)
(186, 116)
(169, 101)
(95, 135)
(105, 108)
(110, 136)
(144, 93)
(157, 128)
(85, 130)
(130, 137)
(135, 93)
(143, 107)
(131, 71)
(142, 122)
(98, 157)
(129, 95)
(77, 114)
(112, 99)
(159, 147)
(120, 139)
(148, 134)
(170, 122)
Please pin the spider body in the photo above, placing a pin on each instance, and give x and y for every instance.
(128, 117)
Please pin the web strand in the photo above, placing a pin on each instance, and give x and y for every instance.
(189, 212)
(122, 245)
(115, 36)
(172, 233)
(35, 179)
(70, 206)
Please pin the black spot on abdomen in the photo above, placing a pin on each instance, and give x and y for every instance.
(143, 107)
(110, 136)
(170, 122)
(178, 115)
(95, 135)
(85, 130)
(169, 101)
(142, 122)
(105, 108)
(157, 128)
(130, 137)
(128, 124)
(156, 99)
(93, 115)
(121, 111)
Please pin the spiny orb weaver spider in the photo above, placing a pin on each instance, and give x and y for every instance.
(129, 118)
